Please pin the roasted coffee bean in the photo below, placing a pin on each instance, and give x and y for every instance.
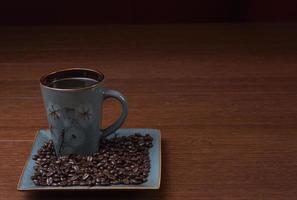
(82, 183)
(135, 181)
(63, 183)
(71, 162)
(120, 160)
(50, 173)
(89, 158)
(49, 181)
(100, 157)
(73, 178)
(126, 181)
(105, 183)
(85, 176)
(35, 157)
(76, 168)
(75, 182)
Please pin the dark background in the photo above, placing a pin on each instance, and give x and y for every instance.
(145, 11)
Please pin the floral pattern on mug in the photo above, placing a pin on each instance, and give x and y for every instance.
(74, 136)
(54, 111)
(84, 115)
(53, 130)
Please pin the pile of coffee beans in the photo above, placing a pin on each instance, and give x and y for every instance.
(120, 160)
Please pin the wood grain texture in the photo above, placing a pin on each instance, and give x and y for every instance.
(223, 95)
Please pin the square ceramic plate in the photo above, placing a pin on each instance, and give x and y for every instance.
(25, 182)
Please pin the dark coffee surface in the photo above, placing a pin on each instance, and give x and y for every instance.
(120, 160)
(72, 83)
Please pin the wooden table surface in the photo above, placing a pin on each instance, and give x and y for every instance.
(223, 95)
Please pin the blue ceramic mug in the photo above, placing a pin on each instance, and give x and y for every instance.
(73, 101)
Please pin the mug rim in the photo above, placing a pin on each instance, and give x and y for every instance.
(99, 79)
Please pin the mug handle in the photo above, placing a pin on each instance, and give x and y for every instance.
(118, 123)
